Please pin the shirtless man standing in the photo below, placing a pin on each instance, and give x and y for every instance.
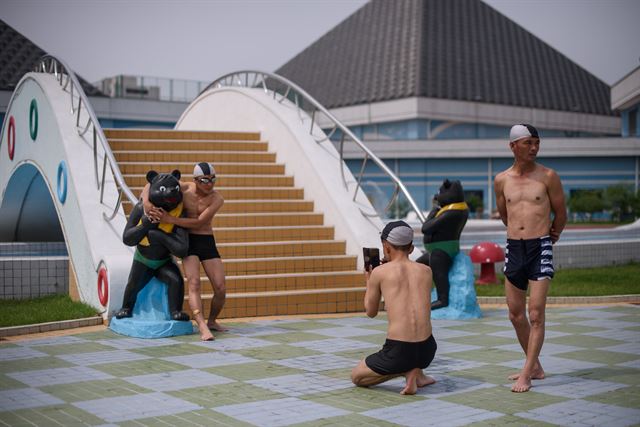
(526, 195)
(201, 203)
(406, 288)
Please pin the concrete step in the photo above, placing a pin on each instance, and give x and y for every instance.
(139, 180)
(281, 248)
(267, 219)
(248, 193)
(221, 168)
(193, 157)
(186, 145)
(287, 281)
(273, 234)
(180, 134)
(307, 301)
(282, 265)
(254, 206)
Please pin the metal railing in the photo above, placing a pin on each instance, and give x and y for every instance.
(151, 88)
(80, 104)
(283, 89)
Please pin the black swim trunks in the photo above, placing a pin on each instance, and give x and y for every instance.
(203, 246)
(398, 357)
(530, 259)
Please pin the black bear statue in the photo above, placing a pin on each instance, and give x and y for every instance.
(155, 243)
(441, 236)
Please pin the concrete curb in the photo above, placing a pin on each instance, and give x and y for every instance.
(50, 326)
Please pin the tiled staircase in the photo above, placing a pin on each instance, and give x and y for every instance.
(278, 255)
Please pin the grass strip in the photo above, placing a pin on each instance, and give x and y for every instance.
(583, 282)
(41, 310)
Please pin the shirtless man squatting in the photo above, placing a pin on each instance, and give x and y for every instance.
(201, 203)
(527, 194)
(406, 288)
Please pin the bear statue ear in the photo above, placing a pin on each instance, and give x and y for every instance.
(446, 183)
(176, 173)
(150, 175)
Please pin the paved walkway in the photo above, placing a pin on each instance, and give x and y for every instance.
(296, 372)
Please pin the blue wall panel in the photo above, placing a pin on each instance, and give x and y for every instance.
(119, 123)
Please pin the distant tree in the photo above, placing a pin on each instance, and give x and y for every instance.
(621, 199)
(399, 208)
(475, 203)
(586, 202)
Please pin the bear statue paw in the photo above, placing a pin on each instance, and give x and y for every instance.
(180, 316)
(439, 304)
(123, 312)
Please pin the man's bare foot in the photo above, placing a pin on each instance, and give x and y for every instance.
(416, 378)
(206, 335)
(536, 374)
(523, 384)
(424, 380)
(215, 326)
(411, 386)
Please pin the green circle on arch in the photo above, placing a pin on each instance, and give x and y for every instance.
(33, 119)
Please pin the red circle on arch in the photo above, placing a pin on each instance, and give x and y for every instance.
(103, 287)
(11, 137)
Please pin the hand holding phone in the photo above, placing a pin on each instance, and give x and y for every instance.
(371, 258)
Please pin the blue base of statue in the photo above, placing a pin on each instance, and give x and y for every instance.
(463, 303)
(151, 315)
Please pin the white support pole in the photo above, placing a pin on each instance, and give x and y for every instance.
(489, 187)
(637, 173)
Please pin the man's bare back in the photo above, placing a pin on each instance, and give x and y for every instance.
(406, 288)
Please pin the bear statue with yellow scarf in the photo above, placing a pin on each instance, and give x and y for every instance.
(441, 236)
(155, 243)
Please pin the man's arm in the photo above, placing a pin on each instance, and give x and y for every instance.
(373, 294)
(501, 203)
(152, 212)
(203, 219)
(558, 207)
(138, 226)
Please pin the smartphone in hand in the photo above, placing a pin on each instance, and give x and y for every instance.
(371, 258)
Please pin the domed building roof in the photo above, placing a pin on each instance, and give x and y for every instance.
(18, 55)
(444, 49)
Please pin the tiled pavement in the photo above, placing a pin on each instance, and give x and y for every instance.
(296, 372)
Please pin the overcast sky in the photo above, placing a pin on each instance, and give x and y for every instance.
(201, 40)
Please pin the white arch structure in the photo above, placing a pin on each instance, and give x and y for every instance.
(41, 129)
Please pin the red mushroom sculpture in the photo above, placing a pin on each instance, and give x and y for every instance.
(486, 254)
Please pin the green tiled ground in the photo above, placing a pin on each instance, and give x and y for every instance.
(296, 372)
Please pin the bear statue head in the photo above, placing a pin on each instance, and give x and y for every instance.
(450, 192)
(164, 189)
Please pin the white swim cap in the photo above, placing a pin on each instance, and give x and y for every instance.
(398, 233)
(522, 130)
(203, 168)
